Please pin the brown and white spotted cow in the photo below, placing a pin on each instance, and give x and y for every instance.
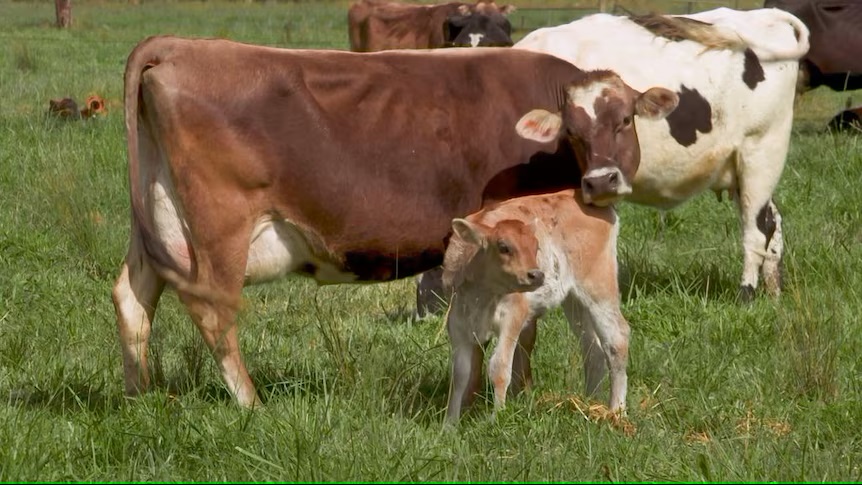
(342, 166)
(376, 25)
(735, 73)
(507, 265)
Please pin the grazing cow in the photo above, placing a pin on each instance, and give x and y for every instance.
(376, 25)
(508, 264)
(835, 57)
(735, 73)
(341, 166)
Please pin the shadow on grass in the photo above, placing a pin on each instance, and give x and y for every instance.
(70, 397)
(640, 277)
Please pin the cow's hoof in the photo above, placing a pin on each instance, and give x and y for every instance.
(746, 294)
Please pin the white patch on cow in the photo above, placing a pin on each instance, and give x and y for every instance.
(278, 247)
(585, 96)
(168, 223)
(475, 39)
(624, 187)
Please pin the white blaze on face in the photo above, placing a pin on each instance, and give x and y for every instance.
(475, 39)
(585, 96)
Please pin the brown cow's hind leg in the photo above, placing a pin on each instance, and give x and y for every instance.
(135, 295)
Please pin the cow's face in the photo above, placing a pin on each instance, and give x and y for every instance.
(598, 122)
(480, 25)
(506, 254)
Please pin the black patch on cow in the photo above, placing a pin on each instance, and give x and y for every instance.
(766, 222)
(375, 266)
(746, 294)
(752, 74)
(694, 114)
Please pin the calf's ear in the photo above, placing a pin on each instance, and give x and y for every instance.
(469, 232)
(539, 125)
(656, 103)
(507, 9)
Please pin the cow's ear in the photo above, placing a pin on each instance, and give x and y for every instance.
(469, 232)
(539, 125)
(464, 10)
(656, 103)
(507, 9)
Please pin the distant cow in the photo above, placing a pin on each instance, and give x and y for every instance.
(376, 25)
(341, 166)
(507, 265)
(735, 73)
(835, 57)
(848, 120)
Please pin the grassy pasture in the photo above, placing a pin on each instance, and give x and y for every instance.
(355, 390)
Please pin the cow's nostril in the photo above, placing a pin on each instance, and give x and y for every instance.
(588, 186)
(536, 276)
(613, 178)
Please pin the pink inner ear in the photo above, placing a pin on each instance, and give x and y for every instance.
(547, 132)
(530, 124)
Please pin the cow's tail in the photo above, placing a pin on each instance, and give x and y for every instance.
(146, 55)
(783, 51)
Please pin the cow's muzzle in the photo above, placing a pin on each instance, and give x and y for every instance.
(604, 186)
(534, 279)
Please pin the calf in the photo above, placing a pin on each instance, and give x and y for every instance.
(507, 265)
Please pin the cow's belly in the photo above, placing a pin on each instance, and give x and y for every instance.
(673, 178)
(278, 247)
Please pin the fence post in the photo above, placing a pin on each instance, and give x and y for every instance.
(63, 10)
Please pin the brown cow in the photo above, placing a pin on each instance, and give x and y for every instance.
(835, 56)
(376, 25)
(509, 264)
(341, 166)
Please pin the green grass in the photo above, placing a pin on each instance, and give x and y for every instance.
(354, 389)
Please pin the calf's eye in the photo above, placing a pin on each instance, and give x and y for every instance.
(503, 248)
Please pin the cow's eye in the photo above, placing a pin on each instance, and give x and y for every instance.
(627, 121)
(503, 248)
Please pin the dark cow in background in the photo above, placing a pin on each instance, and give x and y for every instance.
(376, 25)
(341, 166)
(835, 57)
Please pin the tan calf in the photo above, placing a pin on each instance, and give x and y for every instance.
(509, 264)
